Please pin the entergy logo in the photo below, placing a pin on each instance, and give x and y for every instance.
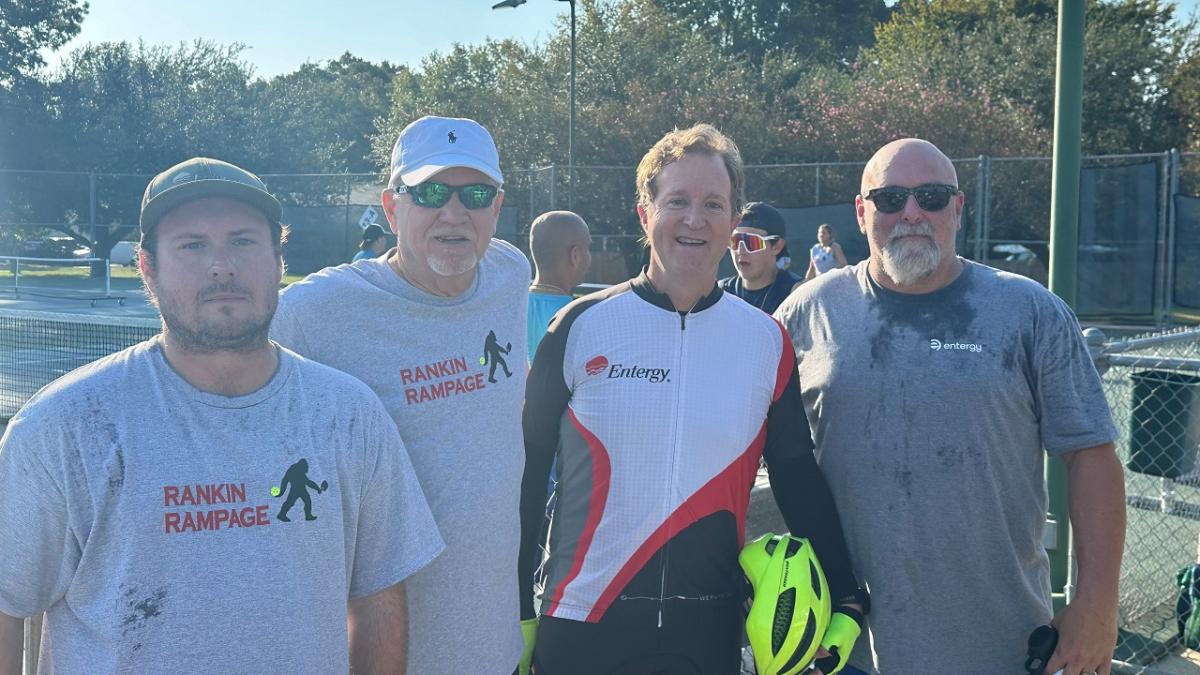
(597, 365)
(939, 346)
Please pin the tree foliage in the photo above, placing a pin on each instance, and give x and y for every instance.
(1009, 46)
(820, 32)
(643, 71)
(790, 81)
(28, 26)
(320, 118)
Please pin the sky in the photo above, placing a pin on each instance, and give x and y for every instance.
(283, 34)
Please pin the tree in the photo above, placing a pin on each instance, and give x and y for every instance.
(1133, 47)
(640, 73)
(822, 32)
(130, 111)
(320, 118)
(1185, 97)
(28, 26)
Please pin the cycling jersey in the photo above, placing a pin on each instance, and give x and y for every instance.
(659, 419)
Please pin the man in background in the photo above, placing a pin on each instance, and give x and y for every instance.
(374, 243)
(560, 243)
(756, 245)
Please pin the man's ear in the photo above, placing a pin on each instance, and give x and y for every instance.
(642, 217)
(146, 269)
(388, 200)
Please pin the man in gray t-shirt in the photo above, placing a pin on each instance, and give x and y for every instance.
(445, 310)
(207, 500)
(932, 385)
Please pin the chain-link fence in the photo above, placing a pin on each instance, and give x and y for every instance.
(1136, 252)
(1153, 388)
(1132, 240)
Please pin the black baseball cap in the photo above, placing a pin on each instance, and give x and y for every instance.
(371, 233)
(765, 217)
(201, 177)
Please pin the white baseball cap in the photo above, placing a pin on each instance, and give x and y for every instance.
(431, 144)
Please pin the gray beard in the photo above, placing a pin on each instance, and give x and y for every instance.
(907, 263)
(453, 266)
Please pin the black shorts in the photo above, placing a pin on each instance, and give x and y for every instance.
(700, 639)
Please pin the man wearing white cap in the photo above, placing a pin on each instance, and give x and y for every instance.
(434, 301)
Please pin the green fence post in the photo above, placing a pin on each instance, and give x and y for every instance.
(1064, 235)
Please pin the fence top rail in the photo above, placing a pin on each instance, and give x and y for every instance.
(1154, 362)
(373, 176)
(1170, 337)
(785, 165)
(117, 174)
(72, 261)
(80, 319)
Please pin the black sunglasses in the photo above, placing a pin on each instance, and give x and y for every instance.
(930, 197)
(435, 195)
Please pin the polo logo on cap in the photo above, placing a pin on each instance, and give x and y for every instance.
(182, 177)
(451, 137)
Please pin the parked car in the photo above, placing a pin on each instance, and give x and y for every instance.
(49, 247)
(124, 253)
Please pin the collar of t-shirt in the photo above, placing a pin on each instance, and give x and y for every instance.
(167, 375)
(890, 297)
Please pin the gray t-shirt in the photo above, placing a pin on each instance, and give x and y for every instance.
(139, 513)
(451, 371)
(930, 413)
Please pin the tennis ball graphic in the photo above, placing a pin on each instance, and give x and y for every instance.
(482, 360)
(275, 491)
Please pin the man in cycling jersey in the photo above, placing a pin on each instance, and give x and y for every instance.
(660, 396)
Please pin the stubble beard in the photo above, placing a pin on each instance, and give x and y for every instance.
(206, 336)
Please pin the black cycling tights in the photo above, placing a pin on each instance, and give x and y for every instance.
(692, 642)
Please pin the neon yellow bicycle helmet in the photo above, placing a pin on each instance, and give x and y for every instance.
(791, 606)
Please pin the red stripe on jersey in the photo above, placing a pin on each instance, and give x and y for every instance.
(601, 474)
(787, 363)
(727, 491)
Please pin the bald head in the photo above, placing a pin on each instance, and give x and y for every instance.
(912, 160)
(553, 237)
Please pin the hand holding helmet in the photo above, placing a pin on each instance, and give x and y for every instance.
(791, 623)
(791, 607)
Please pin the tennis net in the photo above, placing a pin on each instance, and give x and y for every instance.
(38, 347)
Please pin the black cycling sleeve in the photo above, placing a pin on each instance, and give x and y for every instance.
(546, 397)
(800, 489)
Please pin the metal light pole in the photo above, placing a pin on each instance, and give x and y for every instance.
(571, 128)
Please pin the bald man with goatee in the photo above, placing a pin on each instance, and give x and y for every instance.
(937, 388)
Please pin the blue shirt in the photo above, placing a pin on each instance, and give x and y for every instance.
(542, 308)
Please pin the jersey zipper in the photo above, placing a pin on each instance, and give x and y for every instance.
(680, 357)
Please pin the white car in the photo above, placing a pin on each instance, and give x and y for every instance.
(123, 253)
